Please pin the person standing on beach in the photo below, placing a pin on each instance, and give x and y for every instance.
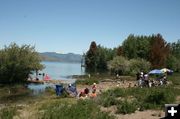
(94, 87)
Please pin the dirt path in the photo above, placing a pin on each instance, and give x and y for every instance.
(103, 86)
(147, 114)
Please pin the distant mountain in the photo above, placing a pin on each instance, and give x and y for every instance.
(53, 56)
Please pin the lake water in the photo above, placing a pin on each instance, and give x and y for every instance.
(57, 71)
(61, 71)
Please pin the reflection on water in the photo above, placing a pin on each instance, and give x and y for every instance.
(39, 88)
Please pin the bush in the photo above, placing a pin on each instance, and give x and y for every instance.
(17, 63)
(124, 66)
(126, 107)
(157, 98)
(109, 101)
(108, 98)
(119, 92)
(119, 65)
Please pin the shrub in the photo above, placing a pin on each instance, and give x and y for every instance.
(126, 107)
(109, 101)
(119, 92)
(17, 63)
(123, 66)
(157, 98)
(119, 65)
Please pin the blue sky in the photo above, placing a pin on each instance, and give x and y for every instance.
(70, 25)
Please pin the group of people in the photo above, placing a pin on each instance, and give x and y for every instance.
(85, 93)
(45, 77)
(144, 80)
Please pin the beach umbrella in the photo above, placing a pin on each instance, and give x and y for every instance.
(155, 71)
(171, 71)
(164, 70)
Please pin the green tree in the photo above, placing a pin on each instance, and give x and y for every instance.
(129, 47)
(137, 65)
(16, 63)
(97, 57)
(175, 49)
(101, 59)
(103, 56)
(135, 47)
(173, 59)
(143, 47)
(173, 63)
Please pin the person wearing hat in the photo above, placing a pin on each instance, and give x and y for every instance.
(94, 87)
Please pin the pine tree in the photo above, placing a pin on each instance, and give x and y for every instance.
(91, 58)
(159, 51)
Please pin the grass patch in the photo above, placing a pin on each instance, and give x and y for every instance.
(83, 109)
(117, 92)
(87, 81)
(175, 78)
(8, 112)
(13, 93)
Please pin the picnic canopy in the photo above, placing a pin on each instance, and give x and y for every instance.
(165, 70)
(156, 71)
